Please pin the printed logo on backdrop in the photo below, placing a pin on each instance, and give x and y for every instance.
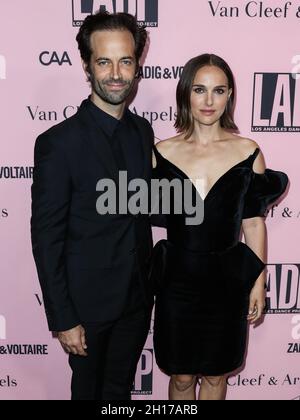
(146, 11)
(16, 172)
(253, 9)
(276, 102)
(240, 381)
(158, 72)
(296, 69)
(36, 113)
(143, 383)
(23, 350)
(53, 57)
(2, 327)
(2, 67)
(19, 349)
(38, 299)
(284, 380)
(7, 382)
(166, 115)
(277, 211)
(3, 213)
(294, 347)
(283, 289)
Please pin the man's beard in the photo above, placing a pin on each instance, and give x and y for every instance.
(112, 98)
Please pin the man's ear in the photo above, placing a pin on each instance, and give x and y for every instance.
(86, 70)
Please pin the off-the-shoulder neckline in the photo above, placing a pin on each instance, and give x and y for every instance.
(254, 154)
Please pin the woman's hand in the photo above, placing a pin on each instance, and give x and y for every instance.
(257, 302)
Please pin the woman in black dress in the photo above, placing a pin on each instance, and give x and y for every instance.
(213, 283)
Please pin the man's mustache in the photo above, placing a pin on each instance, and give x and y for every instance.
(120, 82)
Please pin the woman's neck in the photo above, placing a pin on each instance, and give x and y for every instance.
(206, 135)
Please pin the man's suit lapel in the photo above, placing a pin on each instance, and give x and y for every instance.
(146, 146)
(98, 141)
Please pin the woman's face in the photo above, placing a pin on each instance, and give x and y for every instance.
(209, 96)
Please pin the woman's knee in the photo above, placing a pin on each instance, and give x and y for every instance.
(214, 381)
(183, 382)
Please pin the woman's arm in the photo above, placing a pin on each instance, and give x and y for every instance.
(154, 163)
(255, 237)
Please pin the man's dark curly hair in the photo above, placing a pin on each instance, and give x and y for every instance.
(104, 21)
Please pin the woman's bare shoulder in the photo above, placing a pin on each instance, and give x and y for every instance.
(168, 144)
(248, 146)
(244, 145)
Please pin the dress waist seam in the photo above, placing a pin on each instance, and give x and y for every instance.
(216, 252)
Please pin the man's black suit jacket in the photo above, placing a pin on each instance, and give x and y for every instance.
(85, 260)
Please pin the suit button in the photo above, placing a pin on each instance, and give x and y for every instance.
(132, 251)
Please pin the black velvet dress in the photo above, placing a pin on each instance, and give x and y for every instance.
(206, 273)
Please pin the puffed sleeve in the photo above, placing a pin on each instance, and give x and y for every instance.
(264, 189)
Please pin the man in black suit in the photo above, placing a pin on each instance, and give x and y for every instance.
(93, 267)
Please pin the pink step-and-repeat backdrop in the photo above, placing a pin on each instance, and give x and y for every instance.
(42, 83)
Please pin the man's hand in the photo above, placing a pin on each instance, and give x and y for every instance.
(73, 341)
